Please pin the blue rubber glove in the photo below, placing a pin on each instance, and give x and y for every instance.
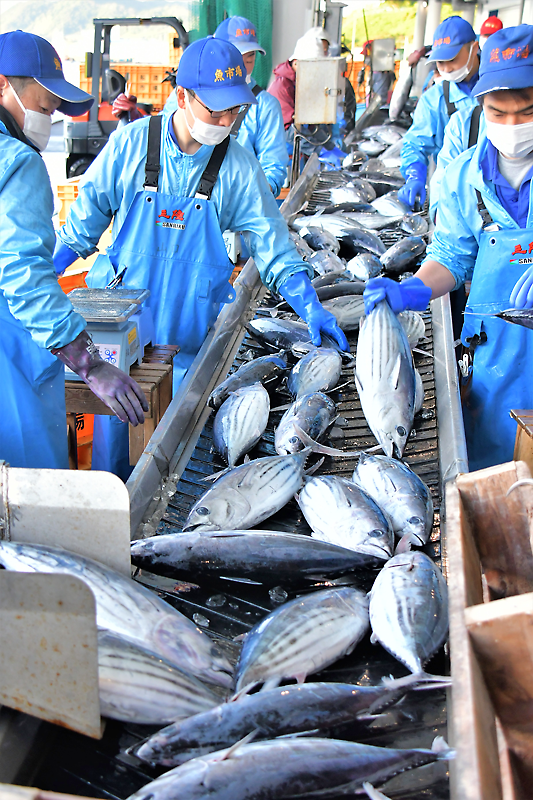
(522, 294)
(298, 291)
(412, 293)
(415, 184)
(63, 257)
(334, 156)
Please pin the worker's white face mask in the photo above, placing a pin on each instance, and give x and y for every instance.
(460, 74)
(37, 127)
(513, 141)
(204, 133)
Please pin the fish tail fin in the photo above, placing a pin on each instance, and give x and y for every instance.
(321, 448)
(373, 794)
(442, 748)
(516, 484)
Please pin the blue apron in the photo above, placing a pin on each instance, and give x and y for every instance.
(33, 425)
(172, 246)
(502, 352)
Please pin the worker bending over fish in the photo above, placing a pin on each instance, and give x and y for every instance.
(171, 183)
(40, 328)
(484, 234)
(455, 51)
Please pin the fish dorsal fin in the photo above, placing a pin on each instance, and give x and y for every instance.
(419, 391)
(373, 794)
(234, 747)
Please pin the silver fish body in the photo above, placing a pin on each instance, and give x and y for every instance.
(385, 378)
(240, 422)
(409, 609)
(413, 325)
(319, 239)
(269, 557)
(325, 261)
(337, 224)
(414, 224)
(268, 370)
(301, 245)
(347, 194)
(400, 94)
(275, 712)
(354, 160)
(390, 205)
(282, 334)
(373, 221)
(303, 636)
(399, 492)
(318, 371)
(246, 495)
(371, 147)
(340, 512)
(403, 254)
(364, 266)
(389, 134)
(346, 310)
(126, 608)
(137, 685)
(283, 768)
(312, 413)
(365, 187)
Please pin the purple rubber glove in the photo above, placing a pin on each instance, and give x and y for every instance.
(116, 389)
(301, 296)
(412, 293)
(415, 184)
(522, 294)
(63, 257)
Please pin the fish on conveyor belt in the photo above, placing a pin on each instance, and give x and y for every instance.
(330, 279)
(372, 220)
(269, 557)
(268, 370)
(370, 131)
(364, 266)
(342, 208)
(324, 261)
(301, 245)
(302, 637)
(318, 371)
(347, 194)
(400, 93)
(137, 685)
(240, 422)
(400, 493)
(519, 316)
(389, 134)
(275, 712)
(386, 379)
(341, 513)
(288, 768)
(348, 311)
(282, 334)
(403, 254)
(337, 224)
(358, 241)
(413, 325)
(409, 609)
(319, 239)
(414, 224)
(354, 160)
(375, 166)
(343, 289)
(246, 495)
(371, 147)
(313, 414)
(365, 187)
(391, 156)
(390, 205)
(128, 609)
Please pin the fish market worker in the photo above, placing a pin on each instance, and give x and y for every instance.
(484, 233)
(171, 183)
(455, 51)
(40, 328)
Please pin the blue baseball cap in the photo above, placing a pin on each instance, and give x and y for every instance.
(241, 33)
(29, 56)
(506, 61)
(452, 34)
(214, 70)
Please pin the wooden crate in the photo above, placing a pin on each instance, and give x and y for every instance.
(490, 559)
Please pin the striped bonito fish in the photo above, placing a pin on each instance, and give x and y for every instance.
(341, 513)
(318, 371)
(348, 311)
(246, 495)
(385, 377)
(128, 609)
(302, 637)
(313, 414)
(137, 685)
(413, 325)
(241, 421)
(409, 609)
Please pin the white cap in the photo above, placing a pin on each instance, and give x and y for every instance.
(321, 33)
(308, 47)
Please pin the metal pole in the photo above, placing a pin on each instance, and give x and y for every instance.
(420, 24)
(520, 12)
(469, 12)
(433, 19)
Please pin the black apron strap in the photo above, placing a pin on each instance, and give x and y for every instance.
(153, 158)
(243, 112)
(474, 126)
(209, 178)
(450, 107)
(482, 208)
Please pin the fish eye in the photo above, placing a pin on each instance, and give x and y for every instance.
(293, 439)
(400, 430)
(203, 511)
(376, 533)
(415, 521)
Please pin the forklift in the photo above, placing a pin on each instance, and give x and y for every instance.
(85, 138)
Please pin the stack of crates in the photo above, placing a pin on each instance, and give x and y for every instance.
(144, 81)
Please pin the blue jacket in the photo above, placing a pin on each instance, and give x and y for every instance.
(425, 137)
(242, 197)
(456, 237)
(456, 138)
(263, 134)
(30, 296)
